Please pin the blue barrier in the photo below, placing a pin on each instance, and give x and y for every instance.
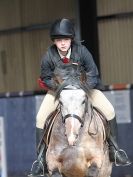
(19, 114)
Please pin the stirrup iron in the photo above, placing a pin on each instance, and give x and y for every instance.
(39, 164)
(120, 150)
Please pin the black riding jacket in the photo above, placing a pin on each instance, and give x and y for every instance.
(79, 54)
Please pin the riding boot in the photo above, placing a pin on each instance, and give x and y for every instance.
(116, 155)
(39, 167)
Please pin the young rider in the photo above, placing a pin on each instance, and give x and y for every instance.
(65, 49)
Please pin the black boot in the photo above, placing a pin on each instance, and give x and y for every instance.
(39, 167)
(116, 155)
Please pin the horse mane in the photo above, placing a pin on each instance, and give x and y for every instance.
(68, 71)
(71, 75)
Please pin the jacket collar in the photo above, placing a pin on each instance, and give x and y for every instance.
(74, 56)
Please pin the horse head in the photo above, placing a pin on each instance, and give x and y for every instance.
(73, 98)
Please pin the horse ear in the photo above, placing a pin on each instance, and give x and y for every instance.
(83, 77)
(57, 79)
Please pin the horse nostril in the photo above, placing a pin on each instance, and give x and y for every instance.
(76, 136)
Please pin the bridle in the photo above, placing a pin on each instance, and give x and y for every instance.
(74, 115)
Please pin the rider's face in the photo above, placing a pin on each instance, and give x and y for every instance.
(63, 44)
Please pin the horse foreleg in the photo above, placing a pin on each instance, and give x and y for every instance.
(93, 170)
(56, 173)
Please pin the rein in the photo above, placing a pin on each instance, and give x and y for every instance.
(95, 122)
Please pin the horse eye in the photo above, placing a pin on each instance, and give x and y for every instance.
(61, 103)
(83, 102)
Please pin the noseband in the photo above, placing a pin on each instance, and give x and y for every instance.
(74, 116)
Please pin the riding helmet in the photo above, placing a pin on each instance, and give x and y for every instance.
(62, 28)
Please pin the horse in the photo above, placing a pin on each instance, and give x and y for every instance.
(77, 145)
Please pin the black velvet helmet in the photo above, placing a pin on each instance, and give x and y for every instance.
(62, 28)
